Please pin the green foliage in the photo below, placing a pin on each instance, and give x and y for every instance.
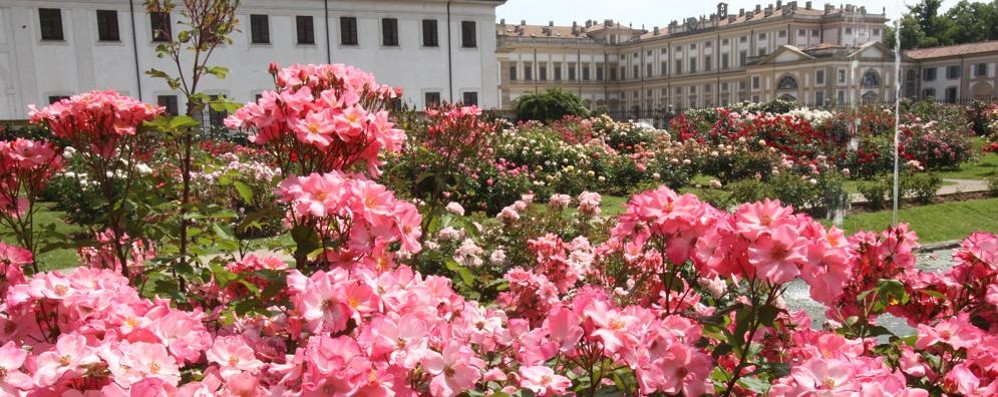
(993, 185)
(921, 186)
(875, 191)
(924, 26)
(551, 105)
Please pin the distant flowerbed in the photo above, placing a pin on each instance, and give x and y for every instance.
(450, 281)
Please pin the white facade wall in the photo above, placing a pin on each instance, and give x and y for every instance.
(32, 70)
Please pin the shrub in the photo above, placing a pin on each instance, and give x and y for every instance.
(993, 185)
(551, 105)
(921, 186)
(875, 191)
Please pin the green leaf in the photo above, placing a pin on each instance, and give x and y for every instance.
(466, 277)
(217, 71)
(245, 192)
(754, 384)
(768, 314)
(180, 122)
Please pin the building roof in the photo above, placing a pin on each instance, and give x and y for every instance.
(953, 50)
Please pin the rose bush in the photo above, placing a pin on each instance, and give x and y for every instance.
(673, 297)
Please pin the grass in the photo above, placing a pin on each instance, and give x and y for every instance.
(58, 258)
(934, 223)
(985, 167)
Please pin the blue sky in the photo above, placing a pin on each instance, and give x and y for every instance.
(653, 12)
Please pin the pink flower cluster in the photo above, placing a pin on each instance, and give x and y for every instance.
(357, 219)
(764, 241)
(322, 118)
(102, 254)
(95, 121)
(25, 168)
(12, 261)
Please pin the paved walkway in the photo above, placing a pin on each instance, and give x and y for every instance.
(950, 186)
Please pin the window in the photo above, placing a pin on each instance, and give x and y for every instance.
(951, 95)
(693, 46)
(512, 72)
(216, 118)
(743, 39)
(348, 31)
(782, 34)
(929, 74)
(107, 25)
(665, 68)
(787, 82)
(470, 98)
(848, 30)
(842, 76)
(708, 63)
(980, 69)
(724, 42)
(430, 38)
(585, 72)
(542, 72)
(762, 52)
(814, 32)
(431, 99)
(56, 98)
(725, 61)
(953, 72)
(742, 58)
(762, 36)
(637, 72)
(599, 72)
(469, 35)
(819, 77)
(649, 70)
(557, 71)
(613, 73)
(50, 20)
(160, 22)
(679, 66)
(741, 86)
(528, 71)
(876, 32)
(259, 29)
(755, 82)
(306, 29)
(929, 93)
(819, 98)
(842, 96)
(390, 32)
(623, 74)
(801, 32)
(170, 103)
(571, 71)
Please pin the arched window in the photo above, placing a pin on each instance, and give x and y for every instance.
(787, 82)
(870, 79)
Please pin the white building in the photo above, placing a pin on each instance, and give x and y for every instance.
(434, 49)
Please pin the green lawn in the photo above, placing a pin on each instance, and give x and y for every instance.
(986, 167)
(934, 223)
(58, 258)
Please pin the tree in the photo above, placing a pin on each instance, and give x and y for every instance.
(553, 104)
(966, 22)
(208, 25)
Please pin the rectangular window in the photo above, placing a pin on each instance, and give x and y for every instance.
(679, 67)
(528, 71)
(613, 73)
(665, 68)
(107, 25)
(260, 29)
(693, 65)
(470, 98)
(216, 118)
(648, 70)
(161, 26)
(782, 34)
(637, 72)
(623, 73)
(430, 37)
(951, 95)
(469, 35)
(50, 20)
(953, 72)
(571, 72)
(815, 32)
(980, 69)
(512, 72)
(848, 30)
(557, 71)
(585, 72)
(306, 29)
(762, 36)
(801, 32)
(819, 77)
(170, 103)
(842, 96)
(842, 76)
(743, 39)
(599, 72)
(819, 98)
(755, 82)
(708, 63)
(542, 72)
(742, 57)
(390, 32)
(725, 61)
(929, 74)
(348, 31)
(725, 42)
(431, 99)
